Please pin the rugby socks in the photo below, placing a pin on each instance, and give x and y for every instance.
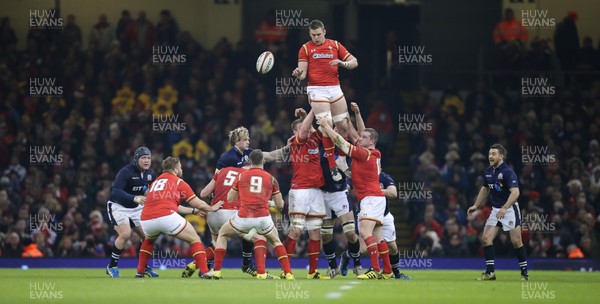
(282, 256)
(329, 145)
(354, 252)
(219, 255)
(210, 252)
(314, 248)
(114, 256)
(260, 255)
(488, 252)
(329, 250)
(247, 252)
(145, 254)
(199, 256)
(373, 252)
(384, 254)
(522, 256)
(290, 247)
(395, 261)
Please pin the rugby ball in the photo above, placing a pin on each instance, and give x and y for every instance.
(265, 62)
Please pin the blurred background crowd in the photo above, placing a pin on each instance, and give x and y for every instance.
(115, 95)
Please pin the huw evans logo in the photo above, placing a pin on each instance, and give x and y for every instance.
(414, 55)
(167, 55)
(413, 123)
(537, 20)
(538, 87)
(537, 155)
(45, 20)
(290, 19)
(44, 87)
(289, 87)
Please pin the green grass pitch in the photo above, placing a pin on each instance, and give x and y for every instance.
(427, 286)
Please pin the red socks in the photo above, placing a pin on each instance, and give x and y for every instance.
(373, 252)
(199, 256)
(282, 256)
(384, 253)
(290, 247)
(314, 248)
(219, 255)
(260, 254)
(145, 253)
(210, 253)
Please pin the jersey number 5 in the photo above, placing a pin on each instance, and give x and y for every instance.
(256, 184)
(230, 178)
(159, 185)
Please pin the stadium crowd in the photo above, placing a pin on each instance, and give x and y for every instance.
(116, 97)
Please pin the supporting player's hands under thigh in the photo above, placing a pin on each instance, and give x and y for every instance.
(501, 213)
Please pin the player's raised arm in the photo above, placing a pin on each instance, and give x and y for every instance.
(210, 188)
(305, 126)
(337, 139)
(300, 71)
(278, 154)
(360, 123)
(481, 198)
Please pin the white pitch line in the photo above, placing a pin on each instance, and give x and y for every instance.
(333, 295)
(346, 287)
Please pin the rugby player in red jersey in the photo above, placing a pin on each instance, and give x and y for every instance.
(160, 215)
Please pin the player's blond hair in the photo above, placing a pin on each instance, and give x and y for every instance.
(170, 163)
(237, 134)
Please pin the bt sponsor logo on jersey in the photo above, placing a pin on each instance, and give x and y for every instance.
(413, 55)
(321, 55)
(537, 20)
(498, 186)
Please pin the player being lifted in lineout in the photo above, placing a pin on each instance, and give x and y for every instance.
(319, 59)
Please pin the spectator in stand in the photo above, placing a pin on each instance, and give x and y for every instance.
(566, 41)
(102, 34)
(167, 30)
(269, 33)
(71, 33)
(509, 30)
(8, 39)
(12, 247)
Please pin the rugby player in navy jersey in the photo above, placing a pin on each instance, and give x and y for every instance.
(500, 183)
(335, 196)
(125, 205)
(239, 139)
(388, 231)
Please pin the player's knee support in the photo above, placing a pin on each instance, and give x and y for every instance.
(314, 223)
(298, 223)
(326, 230)
(348, 227)
(324, 115)
(340, 117)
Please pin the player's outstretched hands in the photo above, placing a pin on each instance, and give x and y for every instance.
(300, 113)
(297, 72)
(139, 199)
(471, 209)
(217, 206)
(354, 108)
(323, 121)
